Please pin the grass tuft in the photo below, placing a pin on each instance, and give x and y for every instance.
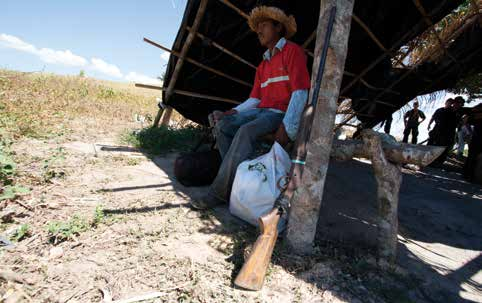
(163, 139)
(21, 233)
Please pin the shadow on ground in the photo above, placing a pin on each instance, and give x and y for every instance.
(439, 236)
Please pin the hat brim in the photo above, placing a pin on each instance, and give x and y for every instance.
(262, 13)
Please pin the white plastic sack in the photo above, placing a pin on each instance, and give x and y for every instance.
(254, 189)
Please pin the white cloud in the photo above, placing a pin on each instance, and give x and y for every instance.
(45, 54)
(16, 43)
(67, 58)
(165, 56)
(105, 68)
(139, 78)
(61, 57)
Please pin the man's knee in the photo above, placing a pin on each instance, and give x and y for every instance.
(247, 131)
(224, 125)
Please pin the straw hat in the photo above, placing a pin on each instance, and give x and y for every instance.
(274, 12)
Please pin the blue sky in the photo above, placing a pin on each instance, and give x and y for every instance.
(103, 38)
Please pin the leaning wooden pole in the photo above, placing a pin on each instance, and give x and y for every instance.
(180, 62)
(306, 201)
(223, 49)
(199, 64)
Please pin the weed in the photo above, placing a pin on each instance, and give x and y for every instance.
(7, 169)
(8, 190)
(61, 231)
(106, 93)
(11, 192)
(50, 169)
(83, 91)
(163, 139)
(21, 233)
(133, 161)
(99, 216)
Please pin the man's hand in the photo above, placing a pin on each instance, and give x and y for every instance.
(218, 115)
(281, 136)
(230, 112)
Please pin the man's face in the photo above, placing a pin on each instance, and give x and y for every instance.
(448, 103)
(268, 33)
(415, 105)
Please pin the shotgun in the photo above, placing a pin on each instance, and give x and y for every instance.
(253, 272)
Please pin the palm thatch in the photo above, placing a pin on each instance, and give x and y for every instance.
(433, 43)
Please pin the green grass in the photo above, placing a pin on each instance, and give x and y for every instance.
(9, 190)
(60, 231)
(99, 215)
(50, 168)
(21, 233)
(163, 139)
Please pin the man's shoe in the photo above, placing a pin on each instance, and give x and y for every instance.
(206, 202)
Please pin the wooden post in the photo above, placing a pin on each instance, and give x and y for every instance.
(306, 201)
(389, 179)
(166, 116)
(180, 61)
(396, 152)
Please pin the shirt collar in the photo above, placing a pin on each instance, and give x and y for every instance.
(279, 45)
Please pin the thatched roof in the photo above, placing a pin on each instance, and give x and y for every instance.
(397, 25)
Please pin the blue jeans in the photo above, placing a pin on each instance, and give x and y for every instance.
(236, 137)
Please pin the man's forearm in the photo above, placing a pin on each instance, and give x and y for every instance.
(291, 121)
(248, 104)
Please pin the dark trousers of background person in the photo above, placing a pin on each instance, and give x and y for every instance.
(388, 125)
(410, 129)
(442, 138)
(475, 148)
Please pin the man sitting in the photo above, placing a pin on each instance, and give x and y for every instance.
(276, 101)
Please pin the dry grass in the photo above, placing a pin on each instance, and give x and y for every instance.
(43, 105)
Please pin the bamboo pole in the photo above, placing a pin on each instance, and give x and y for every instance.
(368, 85)
(223, 49)
(306, 201)
(188, 93)
(198, 64)
(310, 39)
(235, 8)
(373, 37)
(180, 61)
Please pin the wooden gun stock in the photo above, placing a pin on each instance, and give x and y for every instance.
(254, 269)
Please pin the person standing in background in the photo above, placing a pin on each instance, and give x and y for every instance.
(412, 120)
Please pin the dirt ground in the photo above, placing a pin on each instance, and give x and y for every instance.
(147, 239)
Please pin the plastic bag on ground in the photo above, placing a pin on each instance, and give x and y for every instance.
(255, 187)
